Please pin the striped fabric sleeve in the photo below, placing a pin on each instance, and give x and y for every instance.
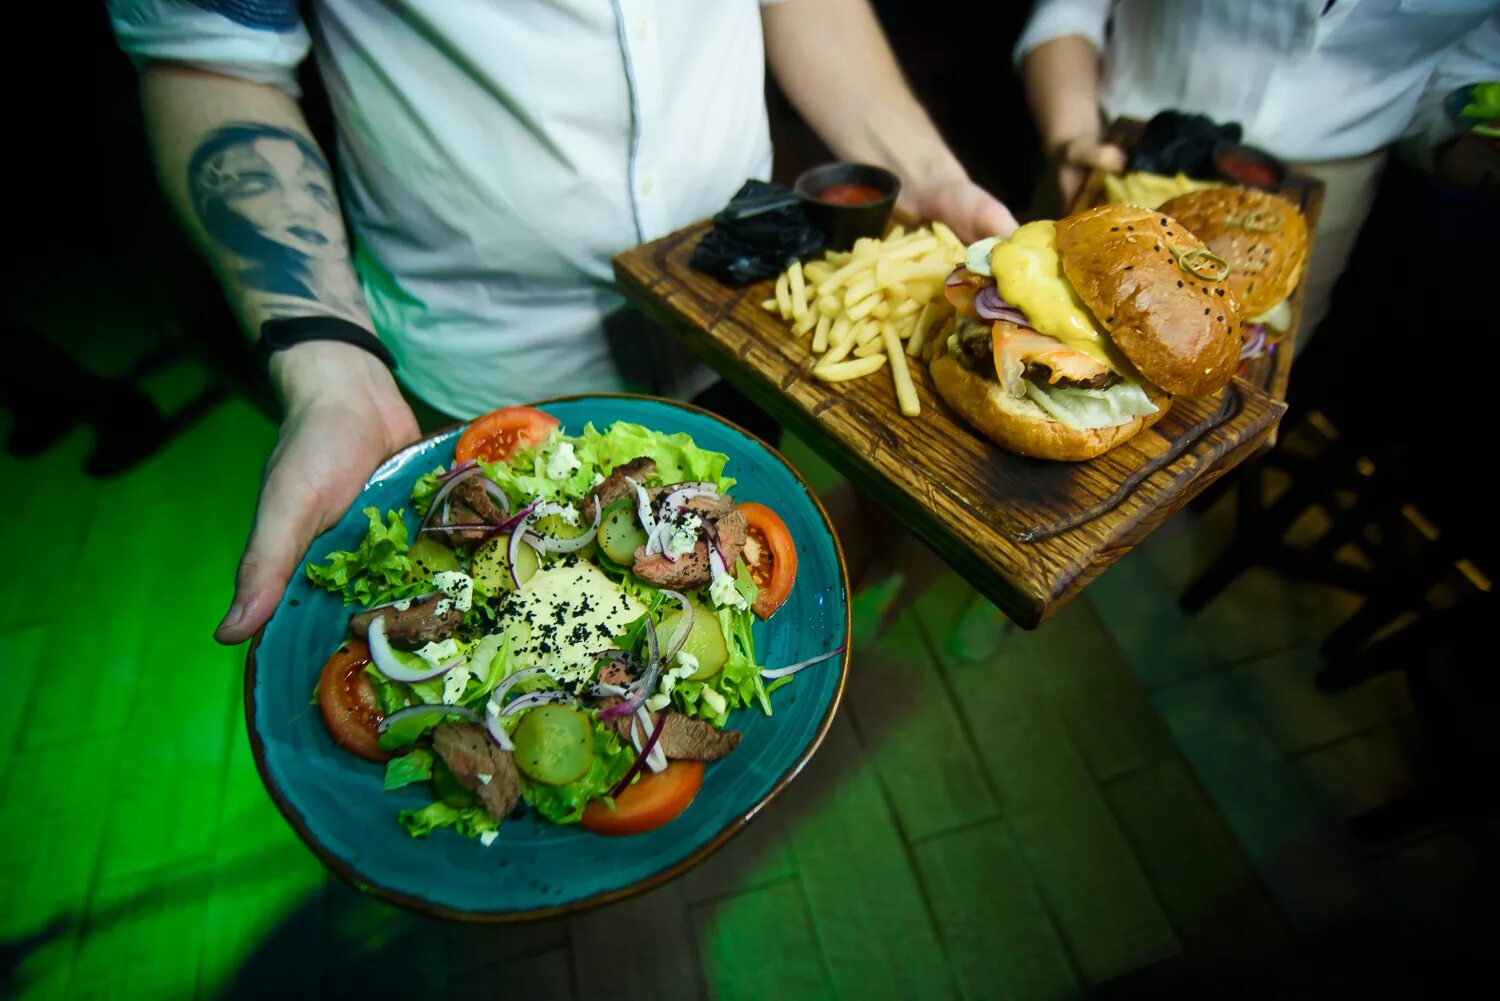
(258, 40)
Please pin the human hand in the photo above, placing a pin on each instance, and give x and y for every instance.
(344, 416)
(969, 210)
(1074, 158)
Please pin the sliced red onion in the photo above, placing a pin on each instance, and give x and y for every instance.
(517, 533)
(534, 699)
(642, 506)
(956, 278)
(716, 563)
(686, 492)
(393, 604)
(645, 685)
(473, 526)
(601, 690)
(384, 657)
(781, 672)
(656, 759)
(426, 709)
(466, 464)
(496, 494)
(517, 518)
(547, 544)
(439, 499)
(640, 758)
(511, 682)
(679, 638)
(1255, 344)
(496, 729)
(989, 305)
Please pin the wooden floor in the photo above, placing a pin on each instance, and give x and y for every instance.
(995, 814)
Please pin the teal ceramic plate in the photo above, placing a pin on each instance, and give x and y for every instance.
(534, 868)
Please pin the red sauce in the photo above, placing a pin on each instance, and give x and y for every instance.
(1257, 174)
(849, 194)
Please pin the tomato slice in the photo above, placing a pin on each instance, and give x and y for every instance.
(647, 804)
(351, 710)
(498, 435)
(771, 557)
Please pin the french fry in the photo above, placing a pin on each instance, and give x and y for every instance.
(784, 296)
(838, 352)
(947, 235)
(770, 306)
(829, 305)
(808, 321)
(908, 308)
(798, 290)
(844, 371)
(882, 309)
(864, 307)
(816, 271)
(820, 334)
(873, 346)
(842, 329)
(919, 332)
(906, 390)
(869, 332)
(858, 290)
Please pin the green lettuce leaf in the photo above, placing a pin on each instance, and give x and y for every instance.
(564, 804)
(409, 768)
(468, 822)
(379, 570)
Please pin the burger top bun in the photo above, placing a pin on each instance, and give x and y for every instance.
(1019, 425)
(1166, 307)
(1262, 236)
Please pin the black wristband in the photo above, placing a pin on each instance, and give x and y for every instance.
(281, 333)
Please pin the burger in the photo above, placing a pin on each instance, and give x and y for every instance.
(1070, 337)
(1263, 238)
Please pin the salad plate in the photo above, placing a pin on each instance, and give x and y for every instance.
(526, 866)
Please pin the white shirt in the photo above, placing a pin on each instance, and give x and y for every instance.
(1305, 84)
(495, 155)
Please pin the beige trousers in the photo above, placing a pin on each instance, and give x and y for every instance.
(1350, 187)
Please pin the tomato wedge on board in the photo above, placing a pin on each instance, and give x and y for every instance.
(499, 434)
(771, 556)
(647, 804)
(351, 710)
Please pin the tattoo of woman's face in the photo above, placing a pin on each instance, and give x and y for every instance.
(266, 194)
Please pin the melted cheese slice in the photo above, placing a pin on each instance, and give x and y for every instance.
(564, 616)
(1029, 275)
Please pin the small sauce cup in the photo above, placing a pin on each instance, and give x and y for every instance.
(848, 200)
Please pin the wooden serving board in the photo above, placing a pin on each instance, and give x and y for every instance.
(999, 519)
(1270, 372)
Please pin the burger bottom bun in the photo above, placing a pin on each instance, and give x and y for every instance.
(1019, 425)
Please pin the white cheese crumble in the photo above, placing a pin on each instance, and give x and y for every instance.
(454, 683)
(723, 592)
(484, 779)
(684, 537)
(401, 605)
(487, 838)
(563, 462)
(713, 700)
(567, 512)
(456, 585)
(687, 664)
(438, 654)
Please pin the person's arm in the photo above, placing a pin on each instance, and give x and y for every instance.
(1058, 55)
(238, 165)
(1062, 86)
(832, 60)
(1432, 138)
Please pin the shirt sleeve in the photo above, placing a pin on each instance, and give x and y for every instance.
(258, 40)
(1055, 18)
(1475, 59)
